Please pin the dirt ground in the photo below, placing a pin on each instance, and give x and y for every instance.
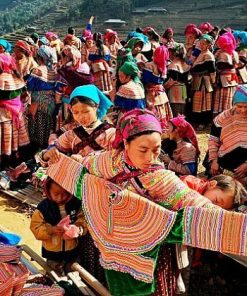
(15, 218)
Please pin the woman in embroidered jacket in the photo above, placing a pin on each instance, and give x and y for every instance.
(154, 75)
(88, 106)
(228, 139)
(13, 133)
(177, 78)
(184, 158)
(129, 202)
(203, 80)
(98, 61)
(130, 94)
(42, 85)
(226, 62)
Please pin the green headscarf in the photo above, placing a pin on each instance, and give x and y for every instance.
(131, 69)
(207, 37)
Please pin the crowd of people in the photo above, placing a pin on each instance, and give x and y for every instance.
(112, 124)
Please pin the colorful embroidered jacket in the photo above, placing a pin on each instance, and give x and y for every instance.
(161, 185)
(229, 132)
(131, 221)
(225, 64)
(203, 71)
(130, 96)
(153, 82)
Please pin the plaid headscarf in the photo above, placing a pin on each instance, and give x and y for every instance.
(48, 55)
(133, 123)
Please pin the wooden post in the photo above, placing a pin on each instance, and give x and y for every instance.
(89, 279)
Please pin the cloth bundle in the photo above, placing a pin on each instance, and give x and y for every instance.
(9, 253)
(71, 231)
(12, 278)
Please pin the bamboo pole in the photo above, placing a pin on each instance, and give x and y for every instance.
(89, 279)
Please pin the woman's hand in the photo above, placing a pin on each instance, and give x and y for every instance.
(77, 157)
(215, 168)
(241, 171)
(52, 155)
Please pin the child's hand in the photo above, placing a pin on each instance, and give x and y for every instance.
(57, 230)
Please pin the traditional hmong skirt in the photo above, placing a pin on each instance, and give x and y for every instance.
(166, 271)
(43, 122)
(101, 76)
(11, 136)
(202, 100)
(223, 99)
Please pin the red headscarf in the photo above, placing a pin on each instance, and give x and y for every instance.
(160, 57)
(206, 26)
(110, 34)
(227, 42)
(185, 130)
(133, 123)
(192, 29)
(24, 46)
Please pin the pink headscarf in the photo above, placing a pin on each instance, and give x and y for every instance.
(227, 42)
(192, 29)
(50, 35)
(160, 57)
(133, 123)
(206, 26)
(185, 130)
(87, 35)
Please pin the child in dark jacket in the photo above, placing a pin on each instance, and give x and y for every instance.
(58, 221)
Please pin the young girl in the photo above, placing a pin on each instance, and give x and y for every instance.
(154, 74)
(58, 247)
(88, 106)
(223, 191)
(177, 74)
(99, 61)
(203, 79)
(130, 94)
(183, 159)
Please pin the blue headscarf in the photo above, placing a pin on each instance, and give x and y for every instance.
(44, 40)
(240, 95)
(6, 45)
(137, 35)
(242, 36)
(48, 55)
(91, 92)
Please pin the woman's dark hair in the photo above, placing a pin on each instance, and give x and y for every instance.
(71, 31)
(226, 183)
(84, 100)
(97, 37)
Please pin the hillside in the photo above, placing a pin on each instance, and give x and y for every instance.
(66, 13)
